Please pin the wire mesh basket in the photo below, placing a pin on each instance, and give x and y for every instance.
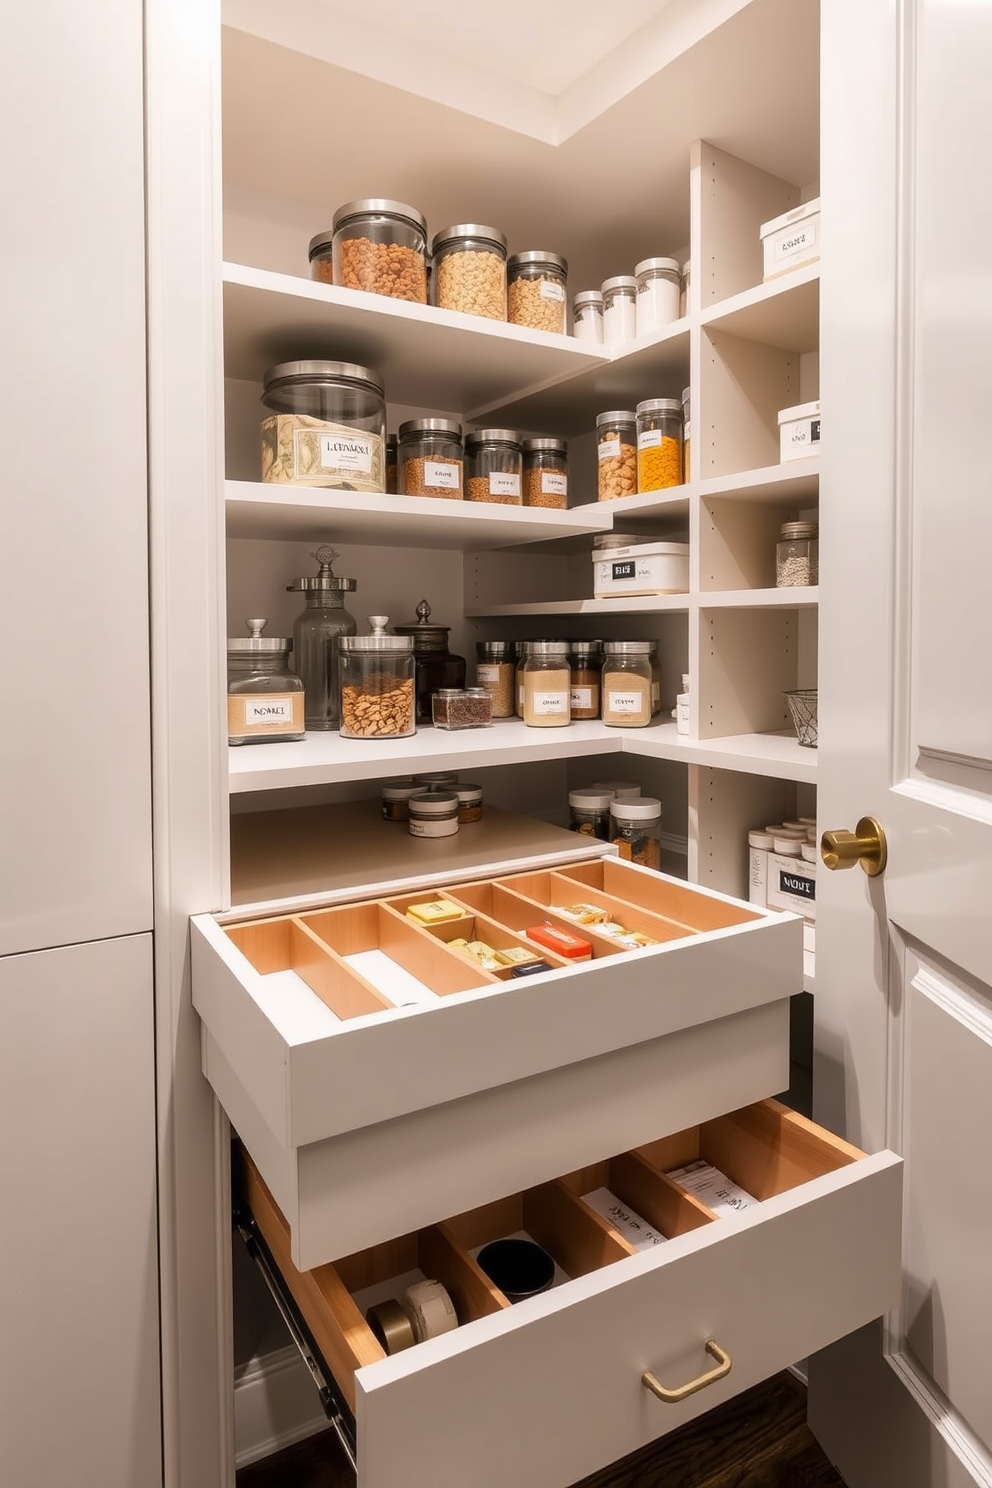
(802, 706)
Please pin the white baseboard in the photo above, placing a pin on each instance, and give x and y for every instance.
(275, 1405)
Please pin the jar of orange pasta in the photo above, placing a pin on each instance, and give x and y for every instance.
(659, 444)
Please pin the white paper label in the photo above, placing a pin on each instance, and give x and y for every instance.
(609, 449)
(795, 243)
(635, 1230)
(551, 291)
(486, 673)
(649, 439)
(624, 702)
(503, 485)
(268, 710)
(549, 702)
(553, 484)
(581, 697)
(713, 1187)
(757, 878)
(442, 474)
(346, 452)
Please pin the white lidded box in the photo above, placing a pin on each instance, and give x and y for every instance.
(647, 568)
(792, 240)
(791, 885)
(799, 431)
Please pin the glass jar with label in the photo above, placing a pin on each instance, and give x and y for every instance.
(536, 288)
(265, 700)
(586, 665)
(659, 444)
(797, 555)
(469, 804)
(437, 668)
(431, 461)
(659, 288)
(325, 425)
(616, 453)
(587, 315)
(589, 813)
(495, 669)
(377, 689)
(619, 308)
(545, 474)
(635, 829)
(627, 684)
(433, 814)
(315, 638)
(683, 707)
(686, 434)
(547, 688)
(469, 270)
(495, 466)
(381, 246)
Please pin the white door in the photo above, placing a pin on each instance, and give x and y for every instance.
(904, 974)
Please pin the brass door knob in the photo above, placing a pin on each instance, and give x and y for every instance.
(865, 845)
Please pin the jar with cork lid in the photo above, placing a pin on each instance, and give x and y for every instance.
(377, 688)
(265, 700)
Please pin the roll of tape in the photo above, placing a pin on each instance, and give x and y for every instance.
(391, 1326)
(431, 1310)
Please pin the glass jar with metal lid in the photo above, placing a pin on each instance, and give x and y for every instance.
(545, 474)
(797, 555)
(495, 466)
(381, 246)
(587, 315)
(659, 288)
(322, 257)
(315, 638)
(585, 675)
(520, 650)
(619, 308)
(469, 270)
(494, 670)
(627, 684)
(536, 286)
(635, 828)
(659, 444)
(616, 453)
(436, 667)
(264, 698)
(431, 459)
(547, 685)
(433, 813)
(377, 688)
(325, 425)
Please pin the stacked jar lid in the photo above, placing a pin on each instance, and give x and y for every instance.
(627, 306)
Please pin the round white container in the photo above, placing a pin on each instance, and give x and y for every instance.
(658, 292)
(433, 814)
(619, 308)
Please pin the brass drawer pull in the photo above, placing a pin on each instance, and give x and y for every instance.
(682, 1392)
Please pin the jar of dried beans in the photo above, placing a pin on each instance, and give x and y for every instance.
(797, 555)
(586, 668)
(545, 472)
(494, 670)
(659, 444)
(381, 246)
(325, 425)
(469, 270)
(431, 461)
(627, 684)
(495, 466)
(536, 286)
(376, 676)
(616, 453)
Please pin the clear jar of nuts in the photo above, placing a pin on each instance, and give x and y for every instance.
(381, 246)
(495, 466)
(545, 472)
(536, 286)
(469, 270)
(797, 556)
(376, 678)
(431, 461)
(616, 452)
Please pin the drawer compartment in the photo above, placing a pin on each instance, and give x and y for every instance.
(545, 1391)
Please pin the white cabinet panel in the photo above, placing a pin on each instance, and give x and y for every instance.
(79, 1371)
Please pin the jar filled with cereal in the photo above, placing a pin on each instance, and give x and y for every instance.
(536, 287)
(376, 678)
(381, 246)
(469, 270)
(495, 466)
(431, 461)
(659, 444)
(616, 453)
(545, 472)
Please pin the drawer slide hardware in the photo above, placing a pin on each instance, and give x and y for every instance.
(682, 1392)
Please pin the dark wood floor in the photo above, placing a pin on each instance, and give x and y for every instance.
(759, 1440)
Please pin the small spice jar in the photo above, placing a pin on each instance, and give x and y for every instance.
(433, 814)
(586, 664)
(431, 462)
(437, 780)
(616, 453)
(265, 699)
(659, 288)
(587, 315)
(495, 466)
(686, 434)
(381, 246)
(589, 813)
(436, 667)
(452, 708)
(469, 270)
(321, 258)
(392, 465)
(469, 804)
(536, 283)
(797, 555)
(635, 830)
(619, 308)
(494, 670)
(545, 473)
(627, 684)
(659, 444)
(396, 797)
(325, 425)
(377, 690)
(547, 691)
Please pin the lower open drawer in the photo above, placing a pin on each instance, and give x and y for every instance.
(543, 1392)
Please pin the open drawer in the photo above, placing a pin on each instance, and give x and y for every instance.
(543, 1392)
(367, 1118)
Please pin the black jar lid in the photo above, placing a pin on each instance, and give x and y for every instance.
(427, 636)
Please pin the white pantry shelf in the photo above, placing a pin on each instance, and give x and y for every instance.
(784, 313)
(794, 484)
(778, 755)
(644, 604)
(792, 598)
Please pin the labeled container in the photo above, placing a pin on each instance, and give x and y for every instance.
(468, 263)
(454, 708)
(469, 804)
(536, 289)
(647, 568)
(520, 649)
(655, 679)
(799, 431)
(589, 813)
(495, 467)
(433, 814)
(437, 668)
(619, 309)
(495, 669)
(546, 682)
(265, 700)
(587, 315)
(797, 555)
(585, 675)
(380, 246)
(545, 473)
(791, 240)
(377, 684)
(616, 453)
(396, 797)
(759, 846)
(792, 884)
(686, 434)
(659, 444)
(635, 830)
(325, 425)
(682, 707)
(659, 289)
(316, 632)
(431, 459)
(626, 687)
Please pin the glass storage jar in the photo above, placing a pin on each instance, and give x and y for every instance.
(325, 425)
(545, 474)
(436, 667)
(586, 664)
(536, 283)
(377, 686)
(315, 638)
(589, 813)
(520, 650)
(635, 829)
(381, 246)
(494, 670)
(587, 315)
(659, 444)
(321, 257)
(458, 708)
(686, 434)
(616, 453)
(435, 780)
(431, 460)
(495, 466)
(396, 798)
(655, 680)
(547, 688)
(627, 684)
(469, 804)
(433, 814)
(469, 270)
(264, 698)
(797, 555)
(619, 308)
(659, 288)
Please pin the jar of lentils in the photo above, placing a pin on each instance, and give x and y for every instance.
(381, 246)
(495, 466)
(545, 472)
(616, 453)
(469, 270)
(431, 460)
(659, 444)
(536, 286)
